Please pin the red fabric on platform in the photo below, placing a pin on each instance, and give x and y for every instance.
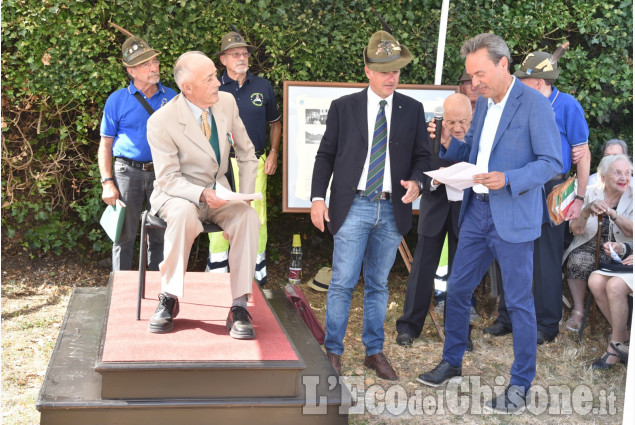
(199, 333)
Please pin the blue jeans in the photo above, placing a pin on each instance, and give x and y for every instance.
(369, 235)
(479, 244)
(135, 188)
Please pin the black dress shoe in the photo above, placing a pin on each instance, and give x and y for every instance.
(238, 323)
(404, 339)
(510, 401)
(497, 329)
(443, 372)
(162, 321)
(542, 337)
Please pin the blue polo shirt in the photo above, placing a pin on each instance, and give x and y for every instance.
(257, 105)
(125, 120)
(571, 123)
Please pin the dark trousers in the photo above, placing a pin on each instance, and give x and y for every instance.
(421, 279)
(547, 274)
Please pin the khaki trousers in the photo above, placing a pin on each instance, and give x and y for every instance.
(184, 222)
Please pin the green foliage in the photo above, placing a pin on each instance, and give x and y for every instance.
(61, 60)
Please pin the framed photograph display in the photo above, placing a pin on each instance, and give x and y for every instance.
(306, 105)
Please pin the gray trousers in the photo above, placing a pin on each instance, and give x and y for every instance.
(135, 187)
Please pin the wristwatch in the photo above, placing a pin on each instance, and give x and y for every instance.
(579, 197)
(107, 179)
(420, 184)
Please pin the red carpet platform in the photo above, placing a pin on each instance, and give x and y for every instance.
(77, 392)
(199, 330)
(198, 359)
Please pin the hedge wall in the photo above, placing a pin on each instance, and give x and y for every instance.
(61, 59)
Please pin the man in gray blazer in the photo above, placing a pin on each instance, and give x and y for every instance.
(190, 138)
(515, 140)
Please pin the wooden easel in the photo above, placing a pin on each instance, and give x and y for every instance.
(407, 259)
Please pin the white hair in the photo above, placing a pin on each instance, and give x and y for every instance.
(182, 71)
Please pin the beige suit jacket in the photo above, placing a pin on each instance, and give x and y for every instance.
(184, 161)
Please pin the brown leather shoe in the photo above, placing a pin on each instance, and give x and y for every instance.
(380, 364)
(335, 362)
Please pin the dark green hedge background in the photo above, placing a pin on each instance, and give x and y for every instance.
(61, 59)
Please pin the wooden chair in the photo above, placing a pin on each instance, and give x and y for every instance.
(407, 259)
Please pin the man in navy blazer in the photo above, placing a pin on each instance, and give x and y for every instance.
(515, 139)
(375, 149)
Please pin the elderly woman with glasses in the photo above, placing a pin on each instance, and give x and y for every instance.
(612, 199)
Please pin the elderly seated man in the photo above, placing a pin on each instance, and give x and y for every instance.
(612, 200)
(190, 139)
(611, 287)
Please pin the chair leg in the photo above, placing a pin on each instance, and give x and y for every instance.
(587, 307)
(143, 249)
(436, 324)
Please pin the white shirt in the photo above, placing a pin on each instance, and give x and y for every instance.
(372, 108)
(198, 113)
(490, 125)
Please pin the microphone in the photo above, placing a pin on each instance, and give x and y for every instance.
(438, 120)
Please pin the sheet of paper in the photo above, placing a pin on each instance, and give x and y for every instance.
(453, 194)
(459, 175)
(226, 194)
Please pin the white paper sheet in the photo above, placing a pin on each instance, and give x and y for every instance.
(226, 194)
(459, 175)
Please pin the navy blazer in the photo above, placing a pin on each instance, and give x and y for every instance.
(526, 147)
(343, 149)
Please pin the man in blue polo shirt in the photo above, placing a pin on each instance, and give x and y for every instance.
(257, 106)
(539, 71)
(123, 136)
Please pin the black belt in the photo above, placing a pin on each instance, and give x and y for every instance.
(482, 196)
(385, 196)
(558, 177)
(145, 166)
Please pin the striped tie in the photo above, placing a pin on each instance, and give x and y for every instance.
(377, 155)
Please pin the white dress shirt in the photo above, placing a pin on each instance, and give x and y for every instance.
(490, 126)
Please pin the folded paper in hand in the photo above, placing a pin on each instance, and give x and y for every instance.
(560, 199)
(226, 194)
(459, 175)
(112, 220)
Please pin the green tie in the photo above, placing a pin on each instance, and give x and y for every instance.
(212, 134)
(377, 160)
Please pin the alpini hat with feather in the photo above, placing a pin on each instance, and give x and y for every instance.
(136, 51)
(232, 40)
(541, 65)
(385, 54)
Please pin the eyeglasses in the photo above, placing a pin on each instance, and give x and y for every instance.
(237, 55)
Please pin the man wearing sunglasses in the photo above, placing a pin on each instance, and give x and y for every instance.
(257, 106)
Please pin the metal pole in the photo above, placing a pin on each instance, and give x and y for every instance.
(443, 29)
